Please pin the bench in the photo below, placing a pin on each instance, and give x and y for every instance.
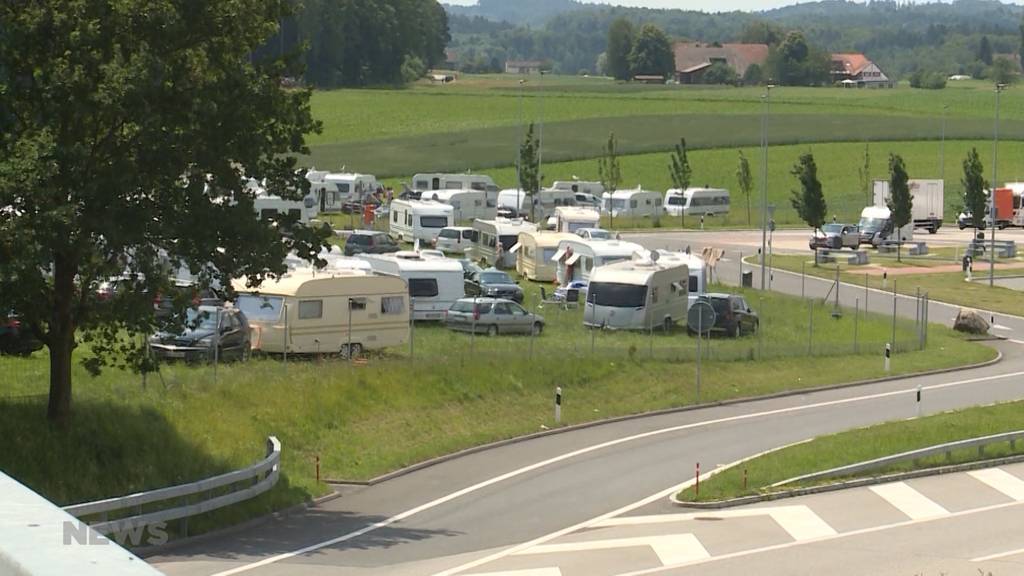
(823, 256)
(858, 258)
(1004, 248)
(918, 248)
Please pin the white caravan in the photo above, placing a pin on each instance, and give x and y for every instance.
(636, 202)
(334, 190)
(269, 206)
(413, 220)
(584, 193)
(647, 291)
(1018, 202)
(495, 239)
(697, 201)
(699, 272)
(434, 283)
(570, 219)
(544, 204)
(436, 181)
(577, 257)
(928, 201)
(468, 204)
(310, 313)
(335, 258)
(534, 251)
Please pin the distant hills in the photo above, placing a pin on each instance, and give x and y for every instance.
(518, 12)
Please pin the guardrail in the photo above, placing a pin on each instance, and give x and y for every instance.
(946, 448)
(264, 475)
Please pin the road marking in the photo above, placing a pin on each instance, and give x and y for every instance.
(1000, 327)
(915, 505)
(802, 523)
(799, 521)
(527, 572)
(998, 556)
(671, 549)
(1002, 481)
(1017, 341)
(593, 448)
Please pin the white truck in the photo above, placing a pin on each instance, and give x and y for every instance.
(928, 198)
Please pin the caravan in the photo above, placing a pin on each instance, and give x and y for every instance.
(637, 202)
(495, 239)
(434, 283)
(577, 257)
(570, 219)
(647, 291)
(268, 206)
(467, 204)
(333, 191)
(413, 220)
(697, 201)
(586, 194)
(534, 252)
(516, 203)
(312, 313)
(427, 182)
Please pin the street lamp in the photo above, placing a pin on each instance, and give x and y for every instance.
(518, 159)
(540, 132)
(992, 191)
(765, 109)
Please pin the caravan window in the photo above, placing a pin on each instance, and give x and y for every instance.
(422, 185)
(394, 217)
(344, 187)
(295, 213)
(549, 253)
(423, 287)
(433, 221)
(617, 295)
(260, 308)
(392, 305)
(268, 214)
(632, 203)
(482, 186)
(453, 185)
(311, 309)
(676, 200)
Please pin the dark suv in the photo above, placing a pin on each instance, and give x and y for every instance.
(209, 333)
(369, 242)
(15, 338)
(733, 316)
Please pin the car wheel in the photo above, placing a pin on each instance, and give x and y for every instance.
(736, 330)
(492, 330)
(537, 328)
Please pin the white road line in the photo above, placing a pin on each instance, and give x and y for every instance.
(528, 572)
(802, 523)
(799, 521)
(998, 556)
(1017, 341)
(915, 505)
(671, 549)
(1002, 481)
(569, 455)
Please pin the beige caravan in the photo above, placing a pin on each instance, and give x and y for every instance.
(310, 313)
(534, 252)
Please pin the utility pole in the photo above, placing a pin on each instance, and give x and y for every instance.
(765, 108)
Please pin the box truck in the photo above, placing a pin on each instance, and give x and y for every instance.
(928, 197)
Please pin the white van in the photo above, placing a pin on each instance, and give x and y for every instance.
(468, 204)
(495, 239)
(534, 251)
(576, 258)
(434, 283)
(455, 239)
(637, 203)
(697, 201)
(310, 313)
(437, 181)
(334, 190)
(876, 226)
(647, 291)
(570, 219)
(514, 199)
(419, 220)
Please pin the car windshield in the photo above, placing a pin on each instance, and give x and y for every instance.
(201, 320)
(871, 224)
(832, 228)
(597, 234)
(495, 278)
(260, 308)
(676, 200)
(617, 295)
(449, 233)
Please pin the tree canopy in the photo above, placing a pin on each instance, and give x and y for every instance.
(620, 47)
(808, 201)
(901, 202)
(652, 53)
(974, 183)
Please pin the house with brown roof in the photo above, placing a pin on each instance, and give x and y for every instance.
(693, 59)
(855, 70)
(523, 67)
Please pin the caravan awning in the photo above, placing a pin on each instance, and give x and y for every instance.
(572, 259)
(558, 255)
(515, 248)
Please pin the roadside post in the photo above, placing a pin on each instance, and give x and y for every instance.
(412, 330)
(810, 327)
(558, 404)
(888, 354)
(696, 482)
(885, 278)
(216, 346)
(866, 292)
(700, 315)
(348, 351)
(285, 336)
(918, 400)
(856, 316)
(893, 341)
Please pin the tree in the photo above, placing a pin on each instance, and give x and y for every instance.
(620, 45)
(126, 138)
(652, 53)
(1002, 71)
(809, 201)
(795, 63)
(974, 183)
(679, 171)
(529, 168)
(865, 175)
(1020, 47)
(754, 75)
(609, 173)
(745, 180)
(985, 51)
(721, 73)
(901, 202)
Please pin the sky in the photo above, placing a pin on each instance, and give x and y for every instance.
(705, 5)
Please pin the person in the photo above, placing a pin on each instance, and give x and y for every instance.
(833, 218)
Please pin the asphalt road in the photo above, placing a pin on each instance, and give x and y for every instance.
(446, 518)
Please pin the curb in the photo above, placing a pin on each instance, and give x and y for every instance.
(744, 500)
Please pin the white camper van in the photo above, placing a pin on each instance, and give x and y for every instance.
(495, 239)
(570, 219)
(419, 220)
(647, 291)
(467, 204)
(334, 190)
(697, 201)
(428, 182)
(310, 313)
(577, 257)
(534, 252)
(637, 203)
(434, 283)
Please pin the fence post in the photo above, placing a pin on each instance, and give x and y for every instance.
(412, 330)
(893, 341)
(760, 330)
(856, 321)
(558, 404)
(888, 355)
(866, 292)
(810, 328)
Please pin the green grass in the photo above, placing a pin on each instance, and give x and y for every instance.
(863, 444)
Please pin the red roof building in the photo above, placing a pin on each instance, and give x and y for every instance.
(694, 58)
(855, 70)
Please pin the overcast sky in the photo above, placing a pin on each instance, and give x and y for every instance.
(705, 5)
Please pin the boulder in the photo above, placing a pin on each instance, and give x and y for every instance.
(971, 322)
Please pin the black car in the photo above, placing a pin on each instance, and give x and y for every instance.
(210, 332)
(370, 242)
(15, 338)
(733, 316)
(469, 269)
(495, 284)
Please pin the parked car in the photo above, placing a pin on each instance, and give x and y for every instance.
(594, 234)
(455, 239)
(15, 338)
(836, 237)
(493, 316)
(733, 316)
(206, 329)
(495, 284)
(370, 242)
(469, 268)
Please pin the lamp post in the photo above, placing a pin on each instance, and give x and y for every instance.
(765, 109)
(540, 132)
(518, 159)
(992, 195)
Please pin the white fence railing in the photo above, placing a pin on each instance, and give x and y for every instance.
(195, 498)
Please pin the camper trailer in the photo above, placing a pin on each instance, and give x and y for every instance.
(697, 201)
(467, 204)
(413, 220)
(495, 239)
(636, 203)
(570, 219)
(534, 252)
(312, 313)
(646, 291)
(334, 257)
(270, 206)
(545, 202)
(577, 257)
(699, 272)
(587, 194)
(428, 182)
(333, 191)
(434, 283)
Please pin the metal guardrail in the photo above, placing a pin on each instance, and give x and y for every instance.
(264, 473)
(947, 448)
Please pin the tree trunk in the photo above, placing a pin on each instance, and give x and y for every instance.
(61, 341)
(748, 208)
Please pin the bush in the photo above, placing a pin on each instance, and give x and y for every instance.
(413, 69)
(720, 73)
(928, 80)
(754, 75)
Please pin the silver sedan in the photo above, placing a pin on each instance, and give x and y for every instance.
(492, 316)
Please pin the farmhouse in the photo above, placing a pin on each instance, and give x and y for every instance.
(854, 69)
(523, 66)
(693, 59)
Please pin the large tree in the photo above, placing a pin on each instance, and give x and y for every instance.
(127, 132)
(620, 45)
(974, 183)
(529, 169)
(652, 53)
(901, 202)
(809, 201)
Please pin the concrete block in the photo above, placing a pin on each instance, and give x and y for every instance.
(859, 258)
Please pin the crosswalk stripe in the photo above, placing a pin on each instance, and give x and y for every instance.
(671, 549)
(799, 521)
(1002, 481)
(802, 523)
(527, 572)
(909, 501)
